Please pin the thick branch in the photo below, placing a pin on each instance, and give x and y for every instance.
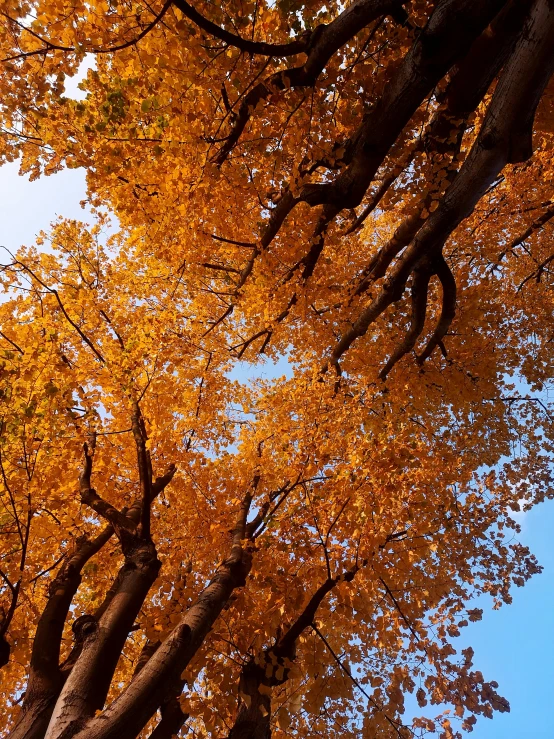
(447, 37)
(466, 88)
(272, 667)
(448, 310)
(419, 310)
(45, 677)
(298, 46)
(101, 645)
(285, 645)
(106, 510)
(254, 706)
(259, 675)
(89, 681)
(129, 713)
(503, 138)
(328, 41)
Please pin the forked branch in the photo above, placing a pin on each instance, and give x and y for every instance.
(420, 287)
(448, 311)
(503, 138)
(324, 44)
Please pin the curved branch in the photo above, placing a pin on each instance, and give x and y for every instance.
(499, 142)
(419, 310)
(443, 135)
(448, 35)
(271, 668)
(145, 31)
(400, 239)
(298, 46)
(323, 45)
(50, 46)
(448, 311)
(285, 645)
(15, 346)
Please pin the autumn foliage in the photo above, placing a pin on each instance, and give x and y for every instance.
(359, 195)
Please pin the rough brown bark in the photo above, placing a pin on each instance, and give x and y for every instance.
(446, 38)
(88, 683)
(45, 676)
(469, 83)
(136, 705)
(254, 713)
(435, 50)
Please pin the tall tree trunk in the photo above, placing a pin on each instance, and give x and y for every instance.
(46, 679)
(89, 681)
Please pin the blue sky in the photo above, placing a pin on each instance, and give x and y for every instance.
(514, 646)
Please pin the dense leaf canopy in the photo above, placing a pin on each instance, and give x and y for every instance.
(363, 191)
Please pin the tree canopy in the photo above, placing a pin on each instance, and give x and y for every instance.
(362, 190)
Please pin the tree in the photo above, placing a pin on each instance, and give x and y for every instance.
(295, 555)
(321, 563)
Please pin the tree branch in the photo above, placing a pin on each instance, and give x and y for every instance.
(499, 142)
(144, 468)
(419, 310)
(50, 46)
(128, 714)
(290, 48)
(324, 45)
(448, 310)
